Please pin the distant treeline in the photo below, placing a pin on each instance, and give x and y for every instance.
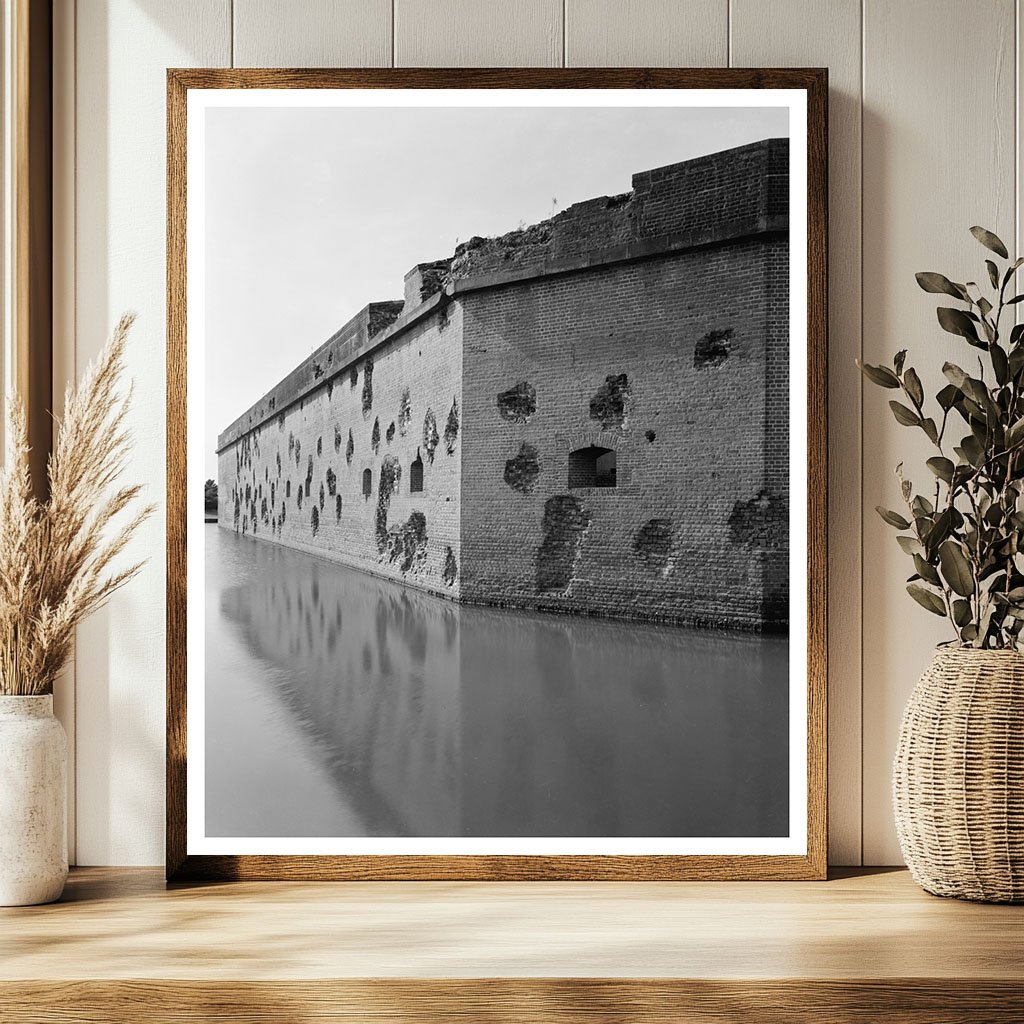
(211, 496)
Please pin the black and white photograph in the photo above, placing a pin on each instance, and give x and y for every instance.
(512, 511)
(491, 407)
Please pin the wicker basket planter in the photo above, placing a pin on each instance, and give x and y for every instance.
(958, 777)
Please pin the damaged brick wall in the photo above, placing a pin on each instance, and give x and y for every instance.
(608, 406)
(654, 542)
(382, 314)
(589, 226)
(726, 193)
(523, 469)
(518, 403)
(564, 525)
(713, 349)
(417, 370)
(673, 366)
(425, 280)
(775, 559)
(618, 358)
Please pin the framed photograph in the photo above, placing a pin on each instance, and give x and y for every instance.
(496, 474)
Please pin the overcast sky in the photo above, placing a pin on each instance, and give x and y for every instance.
(311, 213)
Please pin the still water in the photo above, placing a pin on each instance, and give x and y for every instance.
(339, 704)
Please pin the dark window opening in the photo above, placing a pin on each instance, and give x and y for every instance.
(592, 467)
(416, 476)
(367, 483)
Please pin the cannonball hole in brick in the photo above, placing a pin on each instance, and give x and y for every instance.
(416, 476)
(367, 483)
(592, 467)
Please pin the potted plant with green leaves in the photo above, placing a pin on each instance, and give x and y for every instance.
(957, 778)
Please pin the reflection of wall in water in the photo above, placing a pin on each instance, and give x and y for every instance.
(356, 656)
(608, 729)
(453, 720)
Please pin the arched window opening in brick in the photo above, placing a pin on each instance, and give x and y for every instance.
(592, 467)
(367, 483)
(416, 476)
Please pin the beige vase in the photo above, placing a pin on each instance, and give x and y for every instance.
(33, 797)
(958, 776)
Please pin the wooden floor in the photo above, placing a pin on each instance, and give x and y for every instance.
(869, 946)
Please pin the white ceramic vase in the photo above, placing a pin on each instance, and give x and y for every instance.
(33, 796)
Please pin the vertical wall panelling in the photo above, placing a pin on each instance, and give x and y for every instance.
(6, 268)
(925, 97)
(781, 33)
(478, 33)
(646, 33)
(939, 156)
(121, 53)
(312, 33)
(64, 356)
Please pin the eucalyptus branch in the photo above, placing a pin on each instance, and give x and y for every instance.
(965, 548)
(1009, 451)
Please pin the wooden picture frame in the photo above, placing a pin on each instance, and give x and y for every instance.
(811, 864)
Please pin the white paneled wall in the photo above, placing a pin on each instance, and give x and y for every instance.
(117, 170)
(939, 155)
(924, 143)
(646, 34)
(790, 33)
(468, 33)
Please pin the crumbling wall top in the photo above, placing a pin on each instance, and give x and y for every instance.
(696, 202)
(719, 194)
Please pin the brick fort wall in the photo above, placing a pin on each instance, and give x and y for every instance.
(588, 415)
(332, 473)
(664, 362)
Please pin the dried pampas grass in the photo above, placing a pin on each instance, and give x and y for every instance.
(56, 557)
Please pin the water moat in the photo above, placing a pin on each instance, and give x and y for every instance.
(342, 704)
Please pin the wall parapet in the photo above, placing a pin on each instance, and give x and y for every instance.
(718, 199)
(711, 195)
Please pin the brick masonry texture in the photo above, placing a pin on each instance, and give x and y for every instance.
(740, 191)
(652, 325)
(309, 440)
